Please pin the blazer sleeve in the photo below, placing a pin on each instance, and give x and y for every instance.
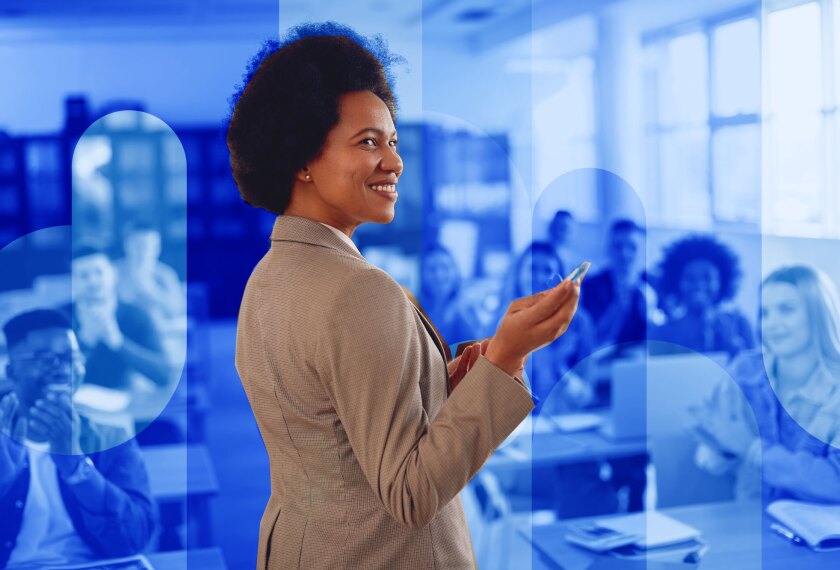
(370, 362)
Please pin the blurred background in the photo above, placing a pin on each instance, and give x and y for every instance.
(685, 149)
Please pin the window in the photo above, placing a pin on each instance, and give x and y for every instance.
(703, 135)
(722, 152)
(798, 117)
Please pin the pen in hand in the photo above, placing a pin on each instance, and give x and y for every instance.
(576, 275)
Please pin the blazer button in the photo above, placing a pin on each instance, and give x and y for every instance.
(19, 504)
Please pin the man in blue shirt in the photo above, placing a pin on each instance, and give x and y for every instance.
(66, 493)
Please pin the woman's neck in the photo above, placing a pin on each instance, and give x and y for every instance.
(795, 369)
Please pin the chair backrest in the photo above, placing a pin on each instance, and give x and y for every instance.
(652, 396)
(674, 384)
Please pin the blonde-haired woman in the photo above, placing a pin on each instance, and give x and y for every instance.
(780, 433)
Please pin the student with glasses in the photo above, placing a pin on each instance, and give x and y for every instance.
(68, 492)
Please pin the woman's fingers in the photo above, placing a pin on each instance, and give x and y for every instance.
(558, 321)
(485, 344)
(462, 365)
(553, 302)
(474, 354)
(531, 300)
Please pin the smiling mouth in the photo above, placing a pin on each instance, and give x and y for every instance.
(390, 188)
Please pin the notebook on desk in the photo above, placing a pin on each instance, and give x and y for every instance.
(817, 524)
(653, 529)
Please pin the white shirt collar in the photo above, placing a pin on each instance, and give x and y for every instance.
(342, 235)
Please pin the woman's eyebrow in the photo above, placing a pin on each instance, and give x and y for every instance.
(379, 132)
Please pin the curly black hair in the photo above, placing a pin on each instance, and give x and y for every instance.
(288, 102)
(691, 248)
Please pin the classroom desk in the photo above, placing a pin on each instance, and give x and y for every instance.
(178, 471)
(184, 472)
(558, 448)
(738, 534)
(200, 559)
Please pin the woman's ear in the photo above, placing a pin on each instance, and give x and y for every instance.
(304, 175)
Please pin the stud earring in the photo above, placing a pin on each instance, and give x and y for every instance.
(308, 177)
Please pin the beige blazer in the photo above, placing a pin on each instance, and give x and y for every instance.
(368, 451)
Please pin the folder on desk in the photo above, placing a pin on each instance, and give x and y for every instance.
(817, 524)
(653, 529)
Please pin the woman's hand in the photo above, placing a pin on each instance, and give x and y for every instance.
(460, 365)
(531, 323)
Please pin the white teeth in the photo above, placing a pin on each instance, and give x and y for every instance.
(384, 187)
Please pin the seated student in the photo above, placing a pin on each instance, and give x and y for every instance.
(117, 338)
(559, 378)
(697, 275)
(528, 274)
(440, 295)
(66, 495)
(615, 297)
(778, 428)
(561, 231)
(146, 281)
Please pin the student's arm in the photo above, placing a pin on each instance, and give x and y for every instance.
(809, 474)
(370, 364)
(112, 508)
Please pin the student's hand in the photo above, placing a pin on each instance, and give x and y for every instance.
(724, 432)
(54, 419)
(12, 432)
(98, 323)
(531, 323)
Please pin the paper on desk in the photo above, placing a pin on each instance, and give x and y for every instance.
(578, 422)
(136, 562)
(101, 398)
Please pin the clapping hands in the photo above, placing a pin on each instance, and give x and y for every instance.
(98, 323)
(12, 432)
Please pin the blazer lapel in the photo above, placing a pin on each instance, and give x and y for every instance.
(427, 322)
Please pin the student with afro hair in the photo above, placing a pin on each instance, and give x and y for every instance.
(697, 276)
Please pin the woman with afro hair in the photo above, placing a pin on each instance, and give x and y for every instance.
(697, 276)
(369, 441)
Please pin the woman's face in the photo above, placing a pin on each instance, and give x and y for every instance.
(700, 284)
(534, 271)
(785, 326)
(354, 178)
(440, 274)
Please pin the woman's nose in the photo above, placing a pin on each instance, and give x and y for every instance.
(391, 162)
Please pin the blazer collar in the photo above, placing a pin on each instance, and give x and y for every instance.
(304, 230)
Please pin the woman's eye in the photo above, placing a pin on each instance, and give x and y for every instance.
(393, 143)
(368, 142)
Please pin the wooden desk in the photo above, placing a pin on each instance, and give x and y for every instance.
(200, 559)
(738, 534)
